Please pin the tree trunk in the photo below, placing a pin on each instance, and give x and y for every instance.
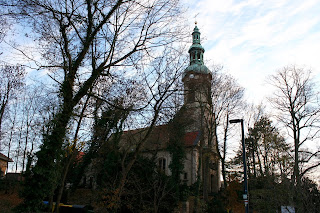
(26, 143)
(224, 176)
(18, 149)
(253, 158)
(296, 150)
(63, 179)
(70, 159)
(223, 169)
(2, 109)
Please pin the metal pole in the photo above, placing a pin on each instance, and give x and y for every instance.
(245, 195)
(245, 183)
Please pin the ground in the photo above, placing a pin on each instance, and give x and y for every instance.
(9, 201)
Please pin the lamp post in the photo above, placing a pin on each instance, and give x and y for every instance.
(245, 194)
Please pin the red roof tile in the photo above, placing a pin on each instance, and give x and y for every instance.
(192, 138)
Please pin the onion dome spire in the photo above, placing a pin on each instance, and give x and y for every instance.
(196, 52)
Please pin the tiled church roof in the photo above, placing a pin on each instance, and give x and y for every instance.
(192, 138)
(158, 139)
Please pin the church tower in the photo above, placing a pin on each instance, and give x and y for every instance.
(198, 110)
(197, 84)
(197, 77)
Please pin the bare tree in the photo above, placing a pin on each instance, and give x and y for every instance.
(85, 40)
(253, 113)
(227, 99)
(11, 80)
(296, 101)
(31, 101)
(5, 26)
(12, 126)
(160, 84)
(138, 104)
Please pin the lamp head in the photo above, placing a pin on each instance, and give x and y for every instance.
(235, 121)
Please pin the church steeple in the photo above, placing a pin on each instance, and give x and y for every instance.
(196, 50)
(196, 35)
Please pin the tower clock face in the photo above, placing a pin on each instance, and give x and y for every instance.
(191, 76)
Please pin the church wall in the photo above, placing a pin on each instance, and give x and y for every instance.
(162, 155)
(191, 164)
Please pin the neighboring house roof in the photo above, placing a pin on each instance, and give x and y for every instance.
(158, 139)
(5, 158)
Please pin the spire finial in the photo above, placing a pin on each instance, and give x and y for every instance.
(195, 19)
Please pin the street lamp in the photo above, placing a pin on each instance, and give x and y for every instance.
(245, 194)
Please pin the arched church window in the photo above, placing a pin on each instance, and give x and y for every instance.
(198, 56)
(193, 56)
(162, 164)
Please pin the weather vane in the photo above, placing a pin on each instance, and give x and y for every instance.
(195, 19)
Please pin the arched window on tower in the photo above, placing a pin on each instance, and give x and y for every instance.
(198, 56)
(191, 97)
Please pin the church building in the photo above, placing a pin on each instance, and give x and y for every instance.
(195, 120)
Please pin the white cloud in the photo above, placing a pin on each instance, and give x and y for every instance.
(252, 39)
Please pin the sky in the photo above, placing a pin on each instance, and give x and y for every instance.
(253, 39)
